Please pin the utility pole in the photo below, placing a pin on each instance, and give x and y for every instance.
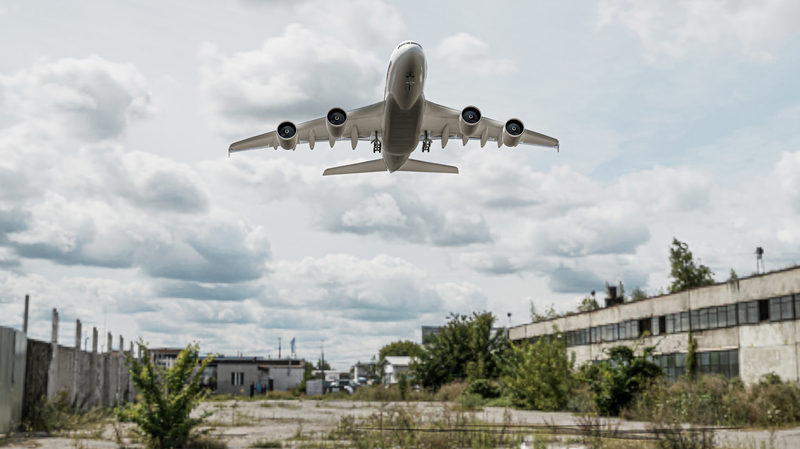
(279, 348)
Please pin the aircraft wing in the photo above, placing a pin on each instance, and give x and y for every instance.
(441, 123)
(361, 124)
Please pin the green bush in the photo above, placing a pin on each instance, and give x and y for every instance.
(615, 382)
(168, 396)
(484, 388)
(540, 375)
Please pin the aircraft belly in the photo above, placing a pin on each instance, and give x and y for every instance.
(401, 128)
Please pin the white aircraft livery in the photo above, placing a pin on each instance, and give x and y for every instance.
(396, 125)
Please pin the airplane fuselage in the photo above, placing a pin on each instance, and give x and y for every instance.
(404, 104)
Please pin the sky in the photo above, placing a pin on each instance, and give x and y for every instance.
(119, 205)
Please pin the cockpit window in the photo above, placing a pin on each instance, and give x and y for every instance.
(409, 43)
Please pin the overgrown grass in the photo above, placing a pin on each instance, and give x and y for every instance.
(714, 400)
(59, 414)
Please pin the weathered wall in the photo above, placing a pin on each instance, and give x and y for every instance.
(768, 346)
(37, 367)
(224, 370)
(12, 375)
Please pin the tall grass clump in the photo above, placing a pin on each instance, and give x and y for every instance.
(59, 414)
(714, 400)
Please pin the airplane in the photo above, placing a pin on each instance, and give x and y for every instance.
(396, 125)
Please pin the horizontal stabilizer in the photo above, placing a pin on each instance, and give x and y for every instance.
(427, 167)
(361, 167)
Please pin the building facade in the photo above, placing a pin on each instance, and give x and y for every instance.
(744, 328)
(394, 368)
(236, 374)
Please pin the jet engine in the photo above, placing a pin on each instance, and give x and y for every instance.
(287, 135)
(334, 123)
(469, 120)
(512, 132)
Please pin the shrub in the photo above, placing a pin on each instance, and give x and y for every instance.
(484, 388)
(714, 400)
(450, 392)
(540, 375)
(615, 382)
(168, 396)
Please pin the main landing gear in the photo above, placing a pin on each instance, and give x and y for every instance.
(376, 146)
(426, 145)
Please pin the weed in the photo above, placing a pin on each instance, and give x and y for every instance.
(266, 444)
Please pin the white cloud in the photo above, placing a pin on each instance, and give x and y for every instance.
(470, 54)
(288, 77)
(787, 171)
(89, 98)
(676, 29)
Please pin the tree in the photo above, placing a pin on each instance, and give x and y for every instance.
(168, 396)
(308, 374)
(540, 375)
(465, 349)
(588, 304)
(733, 276)
(549, 313)
(616, 382)
(638, 294)
(399, 349)
(685, 271)
(324, 366)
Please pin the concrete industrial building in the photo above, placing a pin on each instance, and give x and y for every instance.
(744, 328)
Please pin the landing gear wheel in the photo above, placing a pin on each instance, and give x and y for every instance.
(426, 145)
(376, 146)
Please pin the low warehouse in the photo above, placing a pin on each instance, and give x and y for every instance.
(744, 328)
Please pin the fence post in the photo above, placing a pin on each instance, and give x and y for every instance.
(52, 373)
(76, 361)
(96, 372)
(25, 317)
(120, 369)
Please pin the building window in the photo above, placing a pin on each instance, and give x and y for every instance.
(763, 310)
(713, 323)
(237, 378)
(732, 315)
(703, 319)
(594, 335)
(743, 312)
(684, 322)
(695, 320)
(775, 309)
(722, 316)
(623, 331)
(671, 323)
(752, 312)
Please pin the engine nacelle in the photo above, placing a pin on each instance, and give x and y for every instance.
(512, 132)
(287, 135)
(469, 120)
(334, 122)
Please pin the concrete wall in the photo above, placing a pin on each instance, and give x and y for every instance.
(284, 378)
(13, 349)
(763, 348)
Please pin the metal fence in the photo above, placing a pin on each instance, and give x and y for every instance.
(13, 348)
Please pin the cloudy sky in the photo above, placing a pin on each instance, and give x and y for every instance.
(119, 205)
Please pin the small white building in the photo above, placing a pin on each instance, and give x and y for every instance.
(394, 367)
